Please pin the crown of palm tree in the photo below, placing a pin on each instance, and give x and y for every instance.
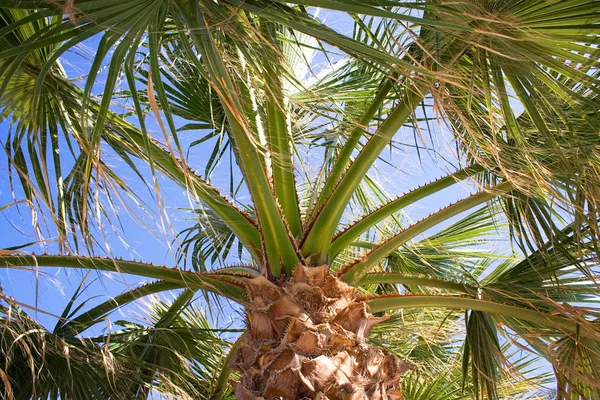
(515, 82)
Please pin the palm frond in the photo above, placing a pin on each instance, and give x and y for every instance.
(576, 361)
(37, 364)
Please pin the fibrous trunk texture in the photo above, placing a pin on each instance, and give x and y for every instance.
(306, 339)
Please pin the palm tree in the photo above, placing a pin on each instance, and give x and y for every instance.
(334, 307)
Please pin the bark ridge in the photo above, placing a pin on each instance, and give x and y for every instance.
(306, 339)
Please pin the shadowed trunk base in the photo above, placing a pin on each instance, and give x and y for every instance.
(306, 339)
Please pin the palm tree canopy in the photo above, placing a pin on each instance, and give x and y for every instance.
(293, 120)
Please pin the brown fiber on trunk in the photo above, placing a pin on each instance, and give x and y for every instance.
(306, 339)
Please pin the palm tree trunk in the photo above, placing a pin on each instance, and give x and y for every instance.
(306, 339)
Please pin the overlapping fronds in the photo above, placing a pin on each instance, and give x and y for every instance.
(435, 345)
(522, 101)
(34, 363)
(246, 95)
(175, 351)
(48, 138)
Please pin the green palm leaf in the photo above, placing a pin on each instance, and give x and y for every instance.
(262, 89)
